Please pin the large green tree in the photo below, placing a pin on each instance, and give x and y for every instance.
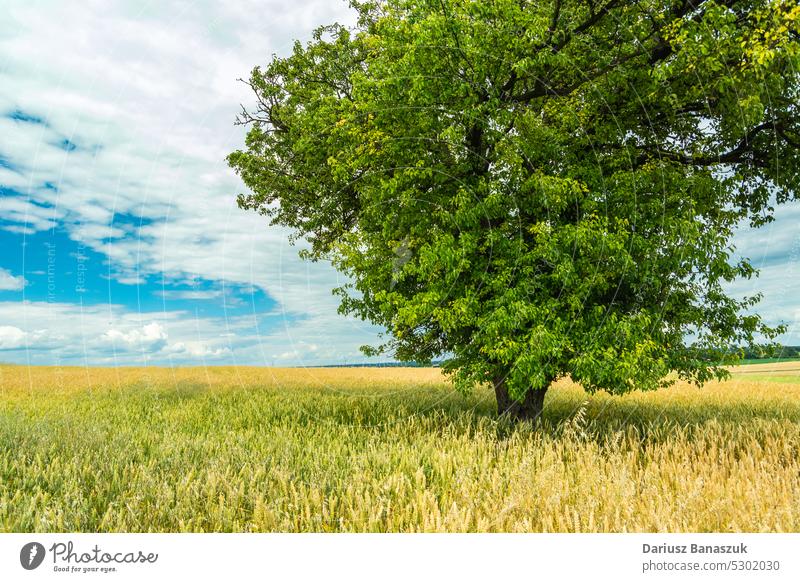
(531, 189)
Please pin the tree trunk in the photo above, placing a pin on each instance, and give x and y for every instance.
(528, 409)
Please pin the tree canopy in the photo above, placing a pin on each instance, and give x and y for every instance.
(537, 189)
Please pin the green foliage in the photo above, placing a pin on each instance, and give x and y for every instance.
(536, 189)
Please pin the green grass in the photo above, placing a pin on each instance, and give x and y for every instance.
(768, 361)
(223, 449)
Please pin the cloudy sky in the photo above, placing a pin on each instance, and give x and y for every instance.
(120, 239)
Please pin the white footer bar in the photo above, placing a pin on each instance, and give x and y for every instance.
(387, 557)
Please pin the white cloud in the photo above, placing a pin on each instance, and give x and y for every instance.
(149, 338)
(11, 338)
(9, 282)
(65, 333)
(198, 350)
(22, 214)
(153, 338)
(190, 294)
(774, 249)
(14, 338)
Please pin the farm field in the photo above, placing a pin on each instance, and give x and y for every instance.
(389, 449)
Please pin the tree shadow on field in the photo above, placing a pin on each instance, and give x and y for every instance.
(436, 408)
(616, 410)
(652, 416)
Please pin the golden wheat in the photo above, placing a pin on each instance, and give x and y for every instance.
(248, 449)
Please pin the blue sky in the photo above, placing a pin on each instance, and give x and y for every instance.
(120, 239)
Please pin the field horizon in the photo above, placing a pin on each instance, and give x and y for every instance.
(389, 450)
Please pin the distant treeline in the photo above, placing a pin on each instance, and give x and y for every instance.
(762, 353)
(779, 352)
(774, 352)
(382, 365)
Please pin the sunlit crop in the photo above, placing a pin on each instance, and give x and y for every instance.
(248, 449)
